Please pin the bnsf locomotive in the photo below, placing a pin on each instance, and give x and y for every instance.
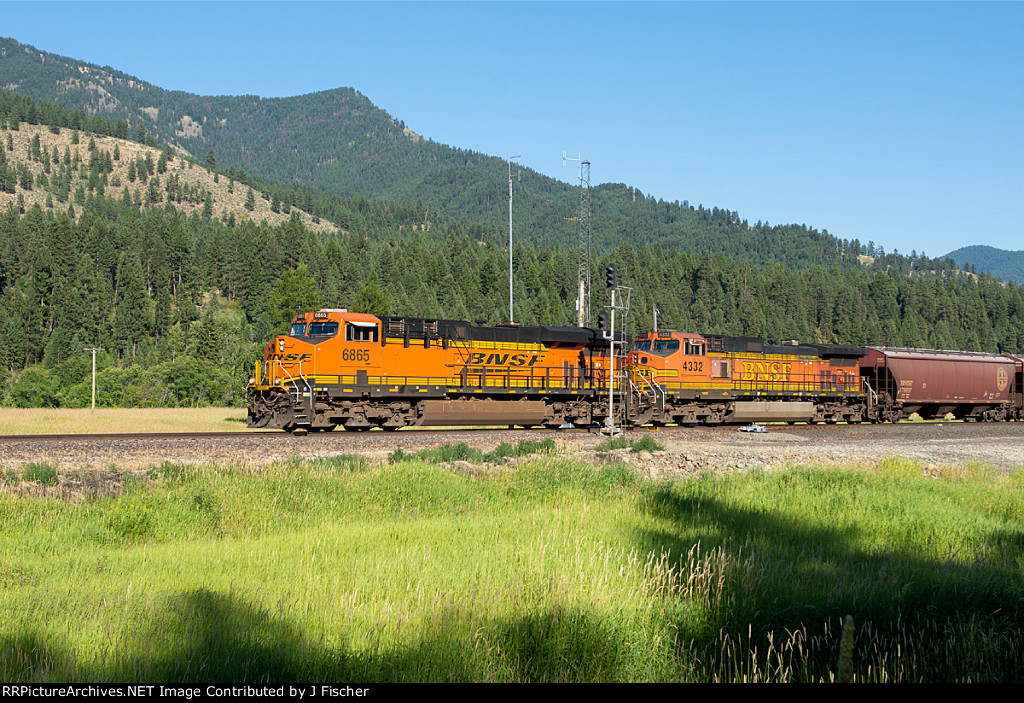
(682, 377)
(357, 371)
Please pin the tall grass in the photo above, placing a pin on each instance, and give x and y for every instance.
(546, 571)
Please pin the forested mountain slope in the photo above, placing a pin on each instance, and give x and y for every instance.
(1000, 263)
(182, 300)
(337, 141)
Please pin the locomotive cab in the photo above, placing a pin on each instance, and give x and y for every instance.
(679, 356)
(337, 339)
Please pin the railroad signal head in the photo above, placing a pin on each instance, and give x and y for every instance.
(602, 321)
(611, 276)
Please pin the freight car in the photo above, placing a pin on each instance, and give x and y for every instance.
(357, 371)
(968, 385)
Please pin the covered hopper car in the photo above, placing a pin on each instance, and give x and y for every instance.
(931, 383)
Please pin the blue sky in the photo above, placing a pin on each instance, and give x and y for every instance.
(899, 123)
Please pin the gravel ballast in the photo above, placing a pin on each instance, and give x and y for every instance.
(937, 446)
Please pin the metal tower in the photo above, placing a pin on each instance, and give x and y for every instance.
(517, 157)
(583, 279)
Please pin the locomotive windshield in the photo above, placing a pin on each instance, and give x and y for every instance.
(659, 347)
(323, 328)
(298, 329)
(664, 347)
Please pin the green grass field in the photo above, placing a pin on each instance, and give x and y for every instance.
(550, 571)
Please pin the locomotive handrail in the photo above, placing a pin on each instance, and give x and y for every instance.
(281, 367)
(303, 379)
(871, 391)
(478, 377)
(655, 387)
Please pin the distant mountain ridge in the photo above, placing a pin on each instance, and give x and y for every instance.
(339, 142)
(1000, 263)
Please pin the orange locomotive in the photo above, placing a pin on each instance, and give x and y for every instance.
(358, 371)
(690, 378)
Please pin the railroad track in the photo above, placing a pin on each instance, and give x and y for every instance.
(169, 436)
(407, 433)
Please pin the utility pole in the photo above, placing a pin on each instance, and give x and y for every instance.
(517, 157)
(93, 350)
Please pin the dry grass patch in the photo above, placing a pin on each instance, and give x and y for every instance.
(29, 421)
(225, 202)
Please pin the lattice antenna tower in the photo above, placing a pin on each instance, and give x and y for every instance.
(517, 157)
(583, 237)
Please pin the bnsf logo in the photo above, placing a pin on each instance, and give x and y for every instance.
(290, 358)
(764, 371)
(482, 359)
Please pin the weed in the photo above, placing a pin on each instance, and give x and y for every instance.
(644, 444)
(900, 467)
(41, 472)
(130, 520)
(447, 453)
(612, 444)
